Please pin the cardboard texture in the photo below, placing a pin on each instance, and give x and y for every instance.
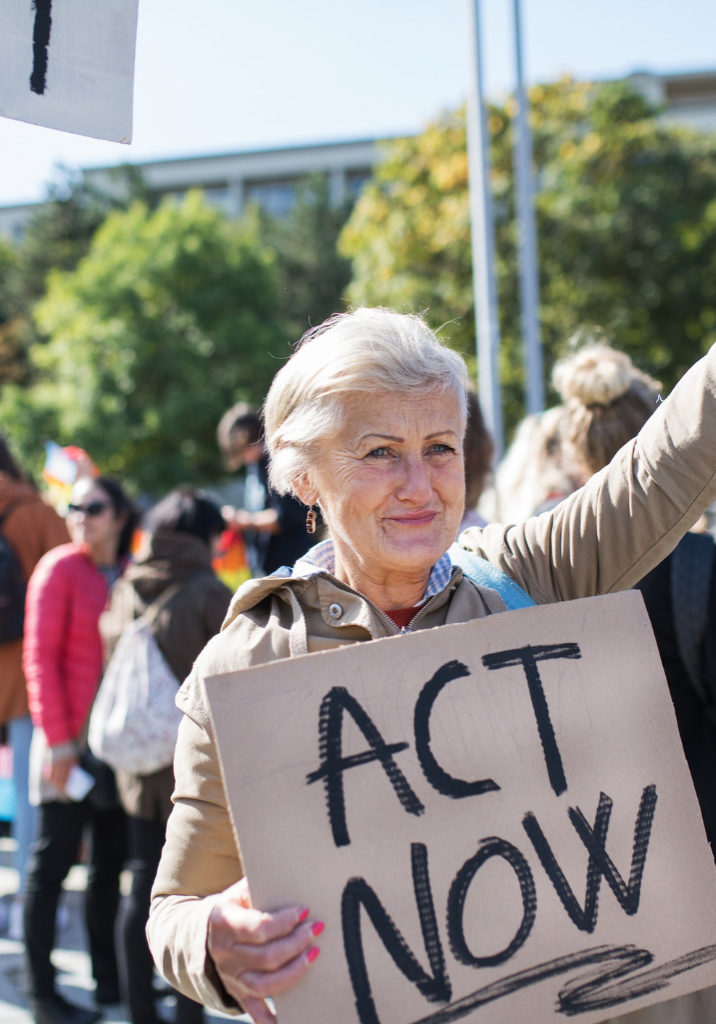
(495, 820)
(69, 64)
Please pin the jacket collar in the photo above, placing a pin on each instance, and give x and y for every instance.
(307, 572)
(322, 557)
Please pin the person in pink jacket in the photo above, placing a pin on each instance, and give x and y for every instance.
(62, 659)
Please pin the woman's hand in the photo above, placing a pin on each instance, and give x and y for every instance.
(263, 521)
(258, 954)
(58, 771)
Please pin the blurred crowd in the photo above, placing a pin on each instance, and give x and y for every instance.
(93, 566)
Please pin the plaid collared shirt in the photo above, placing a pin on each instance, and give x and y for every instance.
(323, 557)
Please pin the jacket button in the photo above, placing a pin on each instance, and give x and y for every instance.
(335, 610)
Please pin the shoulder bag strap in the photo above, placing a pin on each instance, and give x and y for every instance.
(151, 612)
(484, 574)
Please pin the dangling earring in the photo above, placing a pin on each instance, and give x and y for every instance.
(311, 520)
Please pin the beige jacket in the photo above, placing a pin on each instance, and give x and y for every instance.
(602, 539)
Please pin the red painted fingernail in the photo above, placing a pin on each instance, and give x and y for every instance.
(317, 927)
(304, 914)
(312, 954)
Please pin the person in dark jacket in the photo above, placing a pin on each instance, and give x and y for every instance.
(273, 525)
(691, 681)
(181, 532)
(607, 400)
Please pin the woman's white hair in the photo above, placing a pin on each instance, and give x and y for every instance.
(367, 350)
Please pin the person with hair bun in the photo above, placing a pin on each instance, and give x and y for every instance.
(366, 421)
(606, 399)
(607, 402)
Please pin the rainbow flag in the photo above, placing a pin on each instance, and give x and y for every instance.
(64, 466)
(230, 563)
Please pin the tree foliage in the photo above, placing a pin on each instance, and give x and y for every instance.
(311, 275)
(626, 230)
(168, 319)
(61, 229)
(57, 236)
(10, 347)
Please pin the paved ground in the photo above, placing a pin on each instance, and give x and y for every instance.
(70, 957)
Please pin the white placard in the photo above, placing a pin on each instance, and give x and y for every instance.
(69, 64)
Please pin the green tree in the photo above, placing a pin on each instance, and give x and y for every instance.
(168, 319)
(409, 234)
(311, 275)
(61, 229)
(57, 236)
(626, 229)
(9, 345)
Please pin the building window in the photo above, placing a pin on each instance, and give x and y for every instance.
(355, 180)
(274, 197)
(217, 196)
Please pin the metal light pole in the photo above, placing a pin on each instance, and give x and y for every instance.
(483, 244)
(527, 234)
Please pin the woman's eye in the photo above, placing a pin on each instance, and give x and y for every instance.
(378, 453)
(442, 449)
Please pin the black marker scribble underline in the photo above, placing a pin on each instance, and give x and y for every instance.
(594, 990)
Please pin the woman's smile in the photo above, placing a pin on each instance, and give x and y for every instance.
(413, 518)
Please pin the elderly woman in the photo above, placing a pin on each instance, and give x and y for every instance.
(366, 421)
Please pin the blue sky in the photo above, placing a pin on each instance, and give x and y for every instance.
(222, 75)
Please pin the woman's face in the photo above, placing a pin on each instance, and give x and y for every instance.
(91, 520)
(391, 487)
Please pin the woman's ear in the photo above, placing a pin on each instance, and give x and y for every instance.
(304, 490)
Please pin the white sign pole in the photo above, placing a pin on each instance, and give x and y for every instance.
(527, 233)
(483, 244)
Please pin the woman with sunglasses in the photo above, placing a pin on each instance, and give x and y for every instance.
(63, 662)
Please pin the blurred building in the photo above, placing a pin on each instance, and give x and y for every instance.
(688, 99)
(230, 181)
(269, 177)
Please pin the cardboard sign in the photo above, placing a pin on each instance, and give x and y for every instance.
(495, 820)
(69, 64)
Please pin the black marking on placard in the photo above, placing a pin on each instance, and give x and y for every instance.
(40, 44)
